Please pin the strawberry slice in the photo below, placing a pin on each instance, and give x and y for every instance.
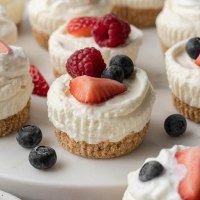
(90, 90)
(41, 87)
(189, 187)
(81, 26)
(197, 61)
(4, 48)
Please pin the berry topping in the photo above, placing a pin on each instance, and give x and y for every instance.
(4, 48)
(193, 47)
(150, 170)
(91, 90)
(175, 125)
(86, 61)
(197, 61)
(113, 72)
(29, 136)
(81, 26)
(41, 87)
(42, 157)
(189, 187)
(125, 63)
(111, 31)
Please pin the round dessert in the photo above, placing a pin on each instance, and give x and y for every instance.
(173, 175)
(8, 30)
(15, 9)
(101, 117)
(178, 21)
(47, 15)
(183, 74)
(15, 88)
(63, 42)
(141, 13)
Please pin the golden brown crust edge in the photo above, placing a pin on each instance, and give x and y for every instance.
(137, 17)
(189, 112)
(104, 149)
(42, 38)
(14, 122)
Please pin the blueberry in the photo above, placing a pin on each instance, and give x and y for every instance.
(125, 63)
(175, 125)
(150, 170)
(42, 157)
(29, 136)
(193, 47)
(113, 72)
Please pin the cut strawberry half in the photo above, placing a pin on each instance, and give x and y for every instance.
(41, 87)
(4, 48)
(81, 26)
(197, 61)
(90, 90)
(189, 187)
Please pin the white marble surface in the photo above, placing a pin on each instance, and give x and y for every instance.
(73, 177)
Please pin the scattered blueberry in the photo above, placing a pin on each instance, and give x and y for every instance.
(193, 47)
(175, 125)
(42, 157)
(150, 170)
(113, 72)
(29, 136)
(125, 63)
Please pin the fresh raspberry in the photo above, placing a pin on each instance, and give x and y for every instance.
(86, 61)
(41, 87)
(81, 26)
(111, 31)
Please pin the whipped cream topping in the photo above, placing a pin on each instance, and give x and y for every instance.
(62, 46)
(47, 15)
(108, 121)
(183, 75)
(164, 187)
(142, 4)
(15, 82)
(14, 9)
(179, 20)
(8, 30)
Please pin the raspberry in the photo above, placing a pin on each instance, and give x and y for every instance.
(111, 31)
(81, 26)
(86, 61)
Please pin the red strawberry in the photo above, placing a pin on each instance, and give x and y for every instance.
(92, 90)
(81, 26)
(41, 87)
(189, 187)
(4, 48)
(197, 61)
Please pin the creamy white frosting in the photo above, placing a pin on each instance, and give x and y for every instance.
(141, 4)
(179, 20)
(8, 30)
(164, 187)
(15, 82)
(47, 15)
(14, 9)
(108, 121)
(62, 46)
(183, 75)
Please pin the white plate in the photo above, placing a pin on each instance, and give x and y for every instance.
(73, 177)
(6, 196)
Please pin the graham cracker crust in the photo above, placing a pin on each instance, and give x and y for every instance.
(138, 17)
(188, 111)
(42, 38)
(14, 122)
(104, 149)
